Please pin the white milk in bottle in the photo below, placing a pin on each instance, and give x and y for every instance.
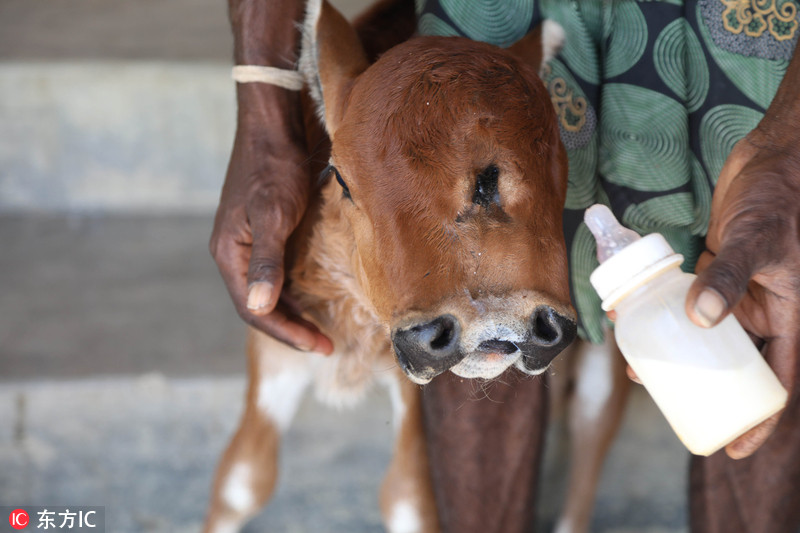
(711, 384)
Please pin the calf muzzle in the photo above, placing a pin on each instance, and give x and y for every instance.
(429, 347)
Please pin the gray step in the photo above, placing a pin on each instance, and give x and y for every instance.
(116, 106)
(114, 136)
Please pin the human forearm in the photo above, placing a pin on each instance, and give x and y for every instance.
(751, 266)
(267, 184)
(266, 33)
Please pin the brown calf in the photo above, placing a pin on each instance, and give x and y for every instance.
(435, 245)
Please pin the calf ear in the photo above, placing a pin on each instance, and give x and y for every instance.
(540, 45)
(331, 59)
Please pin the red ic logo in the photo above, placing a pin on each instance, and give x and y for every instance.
(18, 519)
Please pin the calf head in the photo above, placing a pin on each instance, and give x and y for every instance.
(451, 175)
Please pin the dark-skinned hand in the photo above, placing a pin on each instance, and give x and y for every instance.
(751, 266)
(264, 197)
(752, 263)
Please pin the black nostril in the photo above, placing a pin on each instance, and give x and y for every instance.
(550, 332)
(437, 335)
(546, 326)
(498, 346)
(442, 331)
(429, 348)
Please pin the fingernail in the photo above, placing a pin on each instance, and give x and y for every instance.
(632, 375)
(709, 307)
(304, 347)
(259, 294)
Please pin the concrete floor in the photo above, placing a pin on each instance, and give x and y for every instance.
(121, 379)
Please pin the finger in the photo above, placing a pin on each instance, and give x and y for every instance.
(721, 285)
(272, 220)
(292, 330)
(232, 259)
(781, 354)
(285, 326)
(748, 443)
(288, 328)
(632, 375)
(265, 272)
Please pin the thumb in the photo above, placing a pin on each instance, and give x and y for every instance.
(264, 278)
(721, 283)
(265, 273)
(273, 213)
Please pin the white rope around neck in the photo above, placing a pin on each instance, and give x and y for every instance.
(288, 79)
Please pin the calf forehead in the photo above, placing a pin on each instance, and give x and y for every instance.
(430, 93)
(436, 110)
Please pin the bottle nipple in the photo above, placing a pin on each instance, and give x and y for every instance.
(611, 236)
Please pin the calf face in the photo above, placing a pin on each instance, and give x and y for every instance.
(452, 178)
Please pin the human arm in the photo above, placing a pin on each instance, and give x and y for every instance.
(752, 263)
(267, 184)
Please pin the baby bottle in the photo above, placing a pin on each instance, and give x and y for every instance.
(711, 383)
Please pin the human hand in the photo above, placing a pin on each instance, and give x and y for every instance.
(752, 263)
(263, 199)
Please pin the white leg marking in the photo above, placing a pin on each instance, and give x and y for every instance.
(405, 518)
(564, 526)
(227, 526)
(279, 396)
(593, 386)
(238, 492)
(396, 397)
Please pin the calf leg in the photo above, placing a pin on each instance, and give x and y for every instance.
(595, 413)
(407, 501)
(247, 471)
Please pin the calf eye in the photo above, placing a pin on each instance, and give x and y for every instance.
(345, 188)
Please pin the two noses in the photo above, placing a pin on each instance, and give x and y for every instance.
(428, 348)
